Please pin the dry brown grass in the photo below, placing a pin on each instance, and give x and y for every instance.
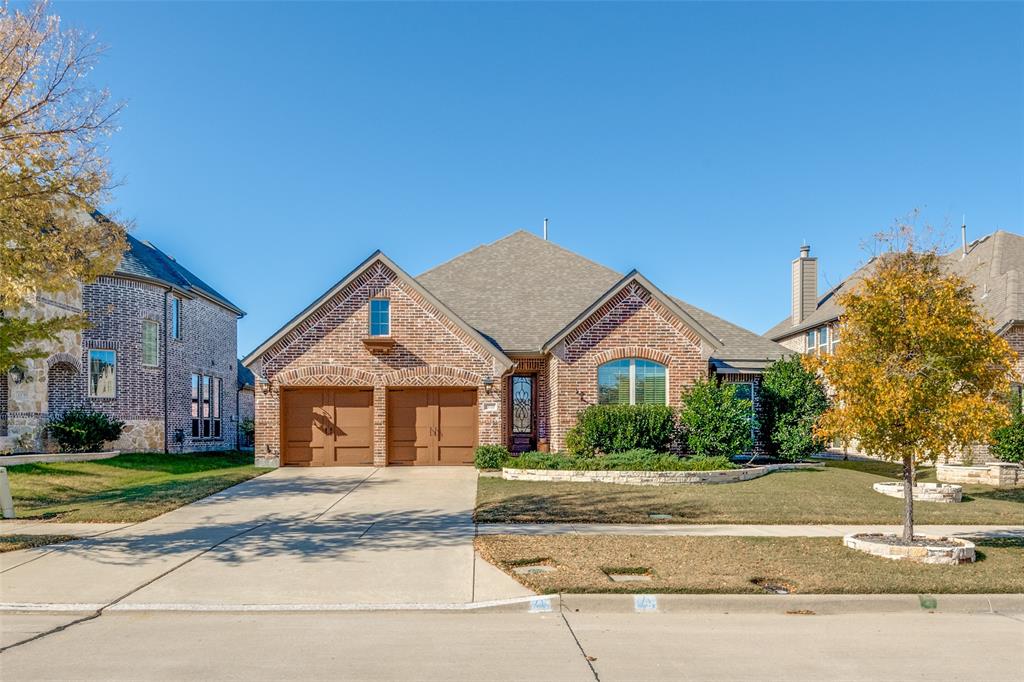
(838, 493)
(729, 565)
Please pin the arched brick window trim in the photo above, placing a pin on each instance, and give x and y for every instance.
(64, 359)
(640, 352)
(324, 375)
(432, 375)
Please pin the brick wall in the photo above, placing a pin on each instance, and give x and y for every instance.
(327, 349)
(4, 392)
(631, 324)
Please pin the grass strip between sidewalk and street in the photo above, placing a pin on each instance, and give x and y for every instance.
(743, 565)
(838, 493)
(127, 488)
(12, 543)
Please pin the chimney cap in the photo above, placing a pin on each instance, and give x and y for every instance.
(805, 251)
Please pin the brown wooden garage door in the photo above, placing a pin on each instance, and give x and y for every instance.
(432, 426)
(327, 427)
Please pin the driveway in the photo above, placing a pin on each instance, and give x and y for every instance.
(292, 536)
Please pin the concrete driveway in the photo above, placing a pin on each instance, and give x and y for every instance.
(293, 536)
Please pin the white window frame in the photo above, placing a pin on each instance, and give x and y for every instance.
(632, 380)
(88, 377)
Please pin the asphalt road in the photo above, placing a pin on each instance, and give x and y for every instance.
(487, 645)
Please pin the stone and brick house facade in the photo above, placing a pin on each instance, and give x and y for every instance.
(994, 264)
(155, 332)
(505, 344)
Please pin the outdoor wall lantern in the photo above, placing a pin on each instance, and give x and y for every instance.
(17, 374)
(488, 383)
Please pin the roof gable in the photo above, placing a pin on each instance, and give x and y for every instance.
(375, 259)
(994, 264)
(635, 278)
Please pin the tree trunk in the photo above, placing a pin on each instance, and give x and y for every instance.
(908, 498)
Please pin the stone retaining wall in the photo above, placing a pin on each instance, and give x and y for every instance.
(998, 474)
(649, 477)
(923, 492)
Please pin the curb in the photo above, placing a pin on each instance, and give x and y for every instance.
(816, 604)
(795, 604)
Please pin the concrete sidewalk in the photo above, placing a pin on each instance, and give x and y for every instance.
(741, 530)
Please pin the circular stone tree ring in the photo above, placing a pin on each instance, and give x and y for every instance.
(923, 492)
(926, 549)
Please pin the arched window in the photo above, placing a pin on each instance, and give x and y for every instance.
(631, 381)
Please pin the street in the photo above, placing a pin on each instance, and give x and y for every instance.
(486, 645)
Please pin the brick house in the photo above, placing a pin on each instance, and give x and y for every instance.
(504, 344)
(160, 353)
(994, 264)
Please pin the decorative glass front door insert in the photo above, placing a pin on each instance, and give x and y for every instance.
(522, 414)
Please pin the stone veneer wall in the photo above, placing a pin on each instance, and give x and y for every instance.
(327, 349)
(998, 474)
(633, 324)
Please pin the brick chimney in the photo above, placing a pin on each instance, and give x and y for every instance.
(805, 285)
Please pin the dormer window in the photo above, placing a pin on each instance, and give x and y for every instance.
(380, 317)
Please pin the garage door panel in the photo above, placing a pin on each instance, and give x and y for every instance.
(432, 426)
(328, 427)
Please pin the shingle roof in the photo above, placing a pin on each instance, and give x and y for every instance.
(522, 290)
(994, 264)
(245, 376)
(144, 260)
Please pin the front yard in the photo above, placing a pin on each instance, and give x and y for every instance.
(741, 565)
(126, 488)
(838, 493)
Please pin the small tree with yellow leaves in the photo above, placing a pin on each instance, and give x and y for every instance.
(53, 173)
(919, 373)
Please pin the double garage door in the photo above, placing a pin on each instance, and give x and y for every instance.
(334, 427)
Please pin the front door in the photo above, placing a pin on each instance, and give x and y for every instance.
(523, 413)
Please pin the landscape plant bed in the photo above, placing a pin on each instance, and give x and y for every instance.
(745, 565)
(12, 543)
(922, 548)
(649, 477)
(840, 492)
(127, 488)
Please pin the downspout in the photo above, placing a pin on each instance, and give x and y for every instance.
(166, 332)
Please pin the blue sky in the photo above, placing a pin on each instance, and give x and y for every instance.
(272, 147)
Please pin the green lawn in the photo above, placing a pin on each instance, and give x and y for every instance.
(838, 493)
(126, 488)
(734, 565)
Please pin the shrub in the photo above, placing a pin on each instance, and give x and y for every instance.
(714, 422)
(83, 430)
(490, 456)
(792, 399)
(631, 460)
(617, 428)
(1008, 442)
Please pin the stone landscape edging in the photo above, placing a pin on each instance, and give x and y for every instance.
(654, 478)
(47, 458)
(930, 554)
(923, 492)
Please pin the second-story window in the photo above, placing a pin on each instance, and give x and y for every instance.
(380, 317)
(150, 343)
(175, 317)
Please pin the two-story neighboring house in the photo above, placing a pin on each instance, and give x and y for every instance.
(159, 353)
(994, 264)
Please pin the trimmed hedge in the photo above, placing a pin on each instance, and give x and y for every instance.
(631, 460)
(83, 430)
(603, 429)
(490, 456)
